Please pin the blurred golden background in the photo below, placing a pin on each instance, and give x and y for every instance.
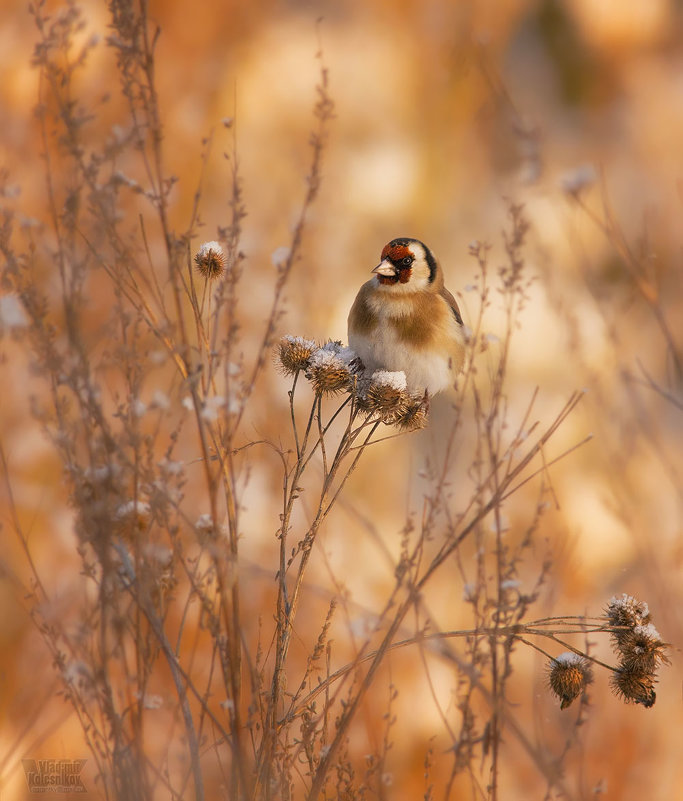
(444, 112)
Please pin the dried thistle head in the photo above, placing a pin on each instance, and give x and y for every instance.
(415, 415)
(568, 676)
(642, 649)
(133, 519)
(331, 369)
(385, 394)
(634, 686)
(625, 614)
(294, 353)
(329, 379)
(210, 260)
(627, 611)
(205, 529)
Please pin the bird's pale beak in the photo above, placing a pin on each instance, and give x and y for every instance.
(385, 268)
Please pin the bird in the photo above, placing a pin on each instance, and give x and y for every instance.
(404, 319)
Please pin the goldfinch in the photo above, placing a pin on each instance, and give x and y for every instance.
(404, 319)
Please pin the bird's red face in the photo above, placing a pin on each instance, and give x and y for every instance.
(396, 264)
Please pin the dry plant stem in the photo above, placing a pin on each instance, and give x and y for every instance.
(66, 108)
(513, 299)
(288, 601)
(290, 494)
(615, 234)
(519, 631)
(228, 591)
(548, 766)
(171, 659)
(567, 646)
(450, 545)
(652, 384)
(324, 114)
(133, 293)
(17, 525)
(142, 64)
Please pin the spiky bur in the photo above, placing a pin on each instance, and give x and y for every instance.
(210, 260)
(414, 416)
(639, 647)
(569, 675)
(132, 519)
(386, 396)
(634, 686)
(294, 354)
(624, 614)
(642, 649)
(333, 368)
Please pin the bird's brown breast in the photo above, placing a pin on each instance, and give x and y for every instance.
(364, 318)
(411, 322)
(417, 328)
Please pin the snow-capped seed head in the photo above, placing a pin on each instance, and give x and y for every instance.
(334, 350)
(133, 518)
(329, 379)
(294, 353)
(204, 523)
(330, 369)
(133, 509)
(394, 380)
(634, 686)
(205, 528)
(155, 553)
(280, 256)
(642, 649)
(568, 676)
(578, 179)
(386, 395)
(625, 614)
(160, 400)
(210, 260)
(627, 611)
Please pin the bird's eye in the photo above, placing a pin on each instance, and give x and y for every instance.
(408, 260)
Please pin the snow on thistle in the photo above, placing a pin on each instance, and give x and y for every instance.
(638, 646)
(210, 260)
(333, 368)
(569, 676)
